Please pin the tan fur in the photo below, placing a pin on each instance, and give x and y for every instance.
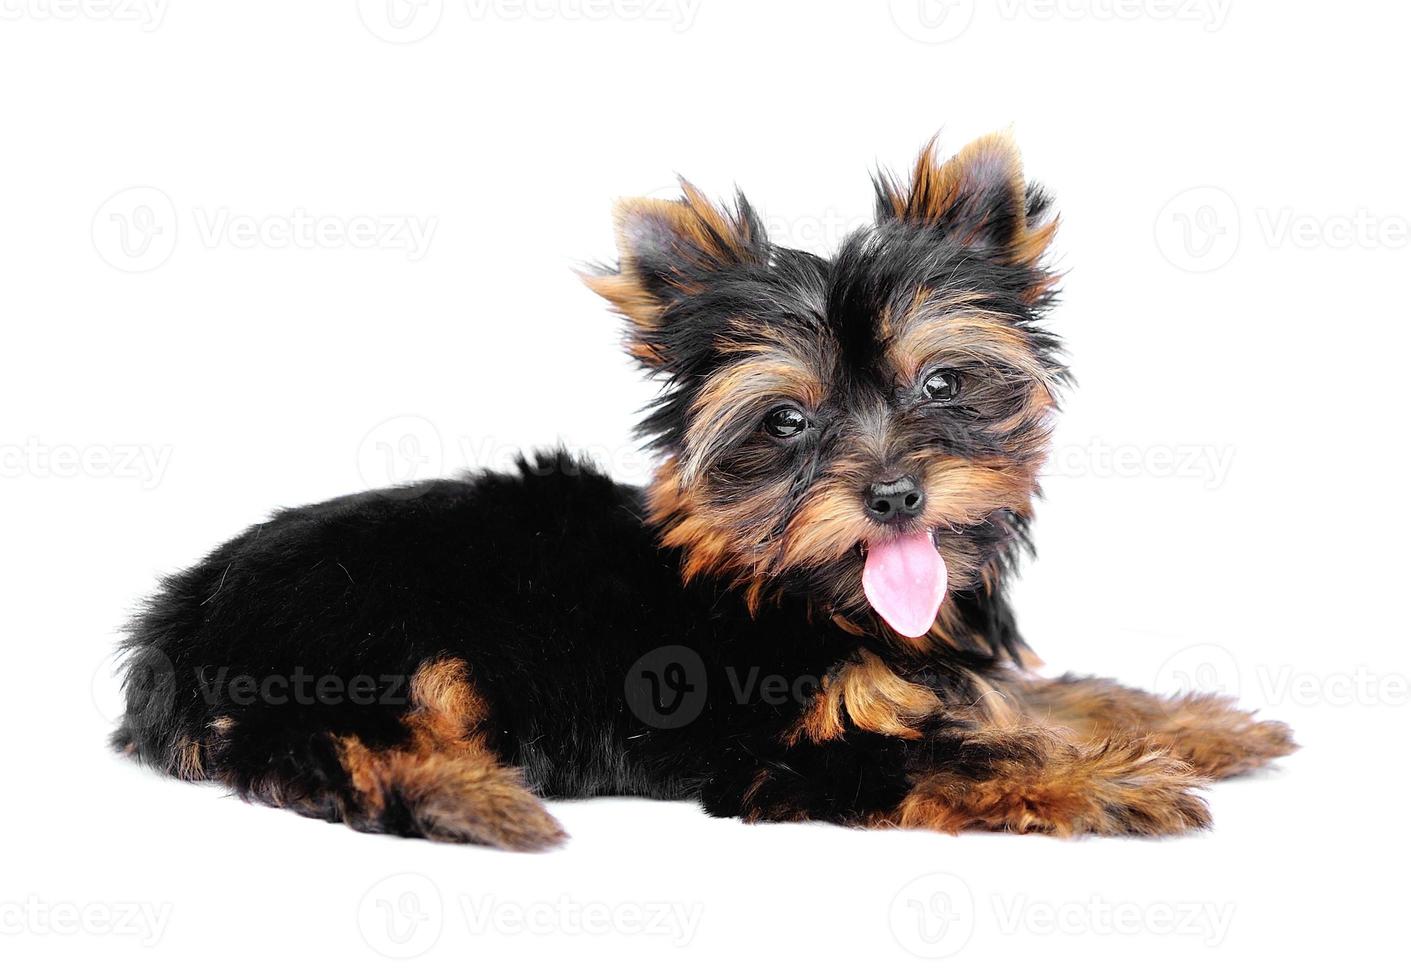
(737, 390)
(1205, 730)
(453, 784)
(966, 491)
(868, 693)
(187, 760)
(830, 524)
(727, 541)
(693, 220)
(937, 186)
(685, 523)
(445, 707)
(1048, 784)
(631, 299)
(962, 337)
(1068, 757)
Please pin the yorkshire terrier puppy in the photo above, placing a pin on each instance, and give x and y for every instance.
(803, 617)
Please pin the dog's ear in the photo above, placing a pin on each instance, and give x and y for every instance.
(977, 198)
(669, 251)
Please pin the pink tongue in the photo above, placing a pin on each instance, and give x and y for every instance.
(905, 580)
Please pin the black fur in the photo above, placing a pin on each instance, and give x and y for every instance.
(547, 582)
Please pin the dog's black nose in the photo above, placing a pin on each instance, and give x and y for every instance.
(895, 500)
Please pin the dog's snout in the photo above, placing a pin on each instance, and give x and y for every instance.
(894, 500)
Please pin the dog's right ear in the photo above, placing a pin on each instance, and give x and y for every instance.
(667, 253)
(978, 198)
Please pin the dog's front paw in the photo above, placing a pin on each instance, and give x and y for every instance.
(1109, 788)
(1220, 740)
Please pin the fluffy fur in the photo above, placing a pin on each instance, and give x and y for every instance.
(432, 662)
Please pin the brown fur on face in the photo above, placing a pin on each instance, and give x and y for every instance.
(757, 538)
(949, 278)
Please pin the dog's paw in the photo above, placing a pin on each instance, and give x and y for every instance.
(1109, 788)
(1220, 740)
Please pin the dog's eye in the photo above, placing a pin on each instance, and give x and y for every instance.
(942, 385)
(785, 421)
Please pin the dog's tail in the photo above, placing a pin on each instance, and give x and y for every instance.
(428, 774)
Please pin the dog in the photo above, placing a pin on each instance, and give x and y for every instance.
(802, 617)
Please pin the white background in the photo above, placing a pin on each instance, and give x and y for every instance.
(1224, 507)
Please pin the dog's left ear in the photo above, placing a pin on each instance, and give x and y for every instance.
(667, 252)
(977, 198)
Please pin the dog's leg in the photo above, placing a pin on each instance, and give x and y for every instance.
(1034, 779)
(1206, 730)
(874, 749)
(447, 792)
(433, 777)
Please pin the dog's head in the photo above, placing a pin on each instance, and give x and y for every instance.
(865, 428)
